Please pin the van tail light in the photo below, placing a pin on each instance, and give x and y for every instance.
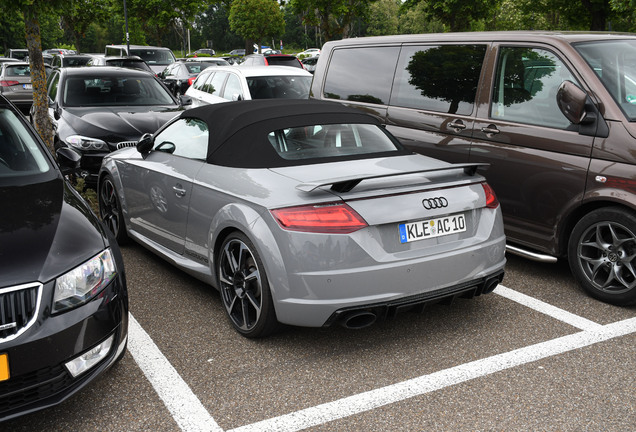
(334, 218)
(5, 83)
(491, 199)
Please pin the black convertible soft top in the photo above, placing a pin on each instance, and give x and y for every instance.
(238, 130)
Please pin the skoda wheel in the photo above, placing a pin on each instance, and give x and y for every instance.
(110, 210)
(244, 287)
(602, 255)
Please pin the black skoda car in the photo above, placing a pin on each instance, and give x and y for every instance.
(63, 296)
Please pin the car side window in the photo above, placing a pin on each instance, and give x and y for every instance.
(232, 87)
(526, 85)
(349, 77)
(200, 81)
(441, 78)
(185, 137)
(217, 83)
(52, 85)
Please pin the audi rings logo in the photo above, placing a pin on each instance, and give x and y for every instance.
(434, 203)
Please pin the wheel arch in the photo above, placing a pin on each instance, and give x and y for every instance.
(567, 226)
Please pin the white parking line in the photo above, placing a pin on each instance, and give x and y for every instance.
(548, 309)
(190, 414)
(425, 384)
(185, 407)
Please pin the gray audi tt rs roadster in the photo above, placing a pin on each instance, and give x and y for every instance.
(305, 213)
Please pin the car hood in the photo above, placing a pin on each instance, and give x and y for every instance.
(45, 231)
(115, 124)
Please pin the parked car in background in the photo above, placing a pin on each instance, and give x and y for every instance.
(310, 63)
(54, 51)
(15, 84)
(271, 60)
(229, 83)
(8, 60)
(271, 51)
(156, 57)
(311, 52)
(553, 114)
(211, 61)
(18, 53)
(131, 62)
(63, 296)
(96, 109)
(235, 53)
(70, 60)
(179, 76)
(304, 213)
(205, 51)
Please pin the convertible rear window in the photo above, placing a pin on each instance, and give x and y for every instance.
(330, 140)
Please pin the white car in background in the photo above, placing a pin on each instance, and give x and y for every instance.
(227, 83)
(311, 52)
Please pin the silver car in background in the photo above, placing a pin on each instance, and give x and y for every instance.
(305, 213)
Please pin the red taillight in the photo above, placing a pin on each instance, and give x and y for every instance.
(4, 83)
(491, 199)
(191, 80)
(329, 218)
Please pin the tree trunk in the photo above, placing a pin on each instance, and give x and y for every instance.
(38, 77)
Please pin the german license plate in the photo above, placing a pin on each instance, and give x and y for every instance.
(27, 86)
(431, 228)
(4, 367)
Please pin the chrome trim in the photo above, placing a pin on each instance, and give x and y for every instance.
(534, 256)
(36, 310)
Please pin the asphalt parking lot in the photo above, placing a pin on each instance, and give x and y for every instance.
(537, 354)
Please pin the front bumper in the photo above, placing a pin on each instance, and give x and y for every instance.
(38, 377)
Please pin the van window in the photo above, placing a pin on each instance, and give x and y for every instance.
(440, 78)
(526, 84)
(361, 74)
(112, 51)
(615, 64)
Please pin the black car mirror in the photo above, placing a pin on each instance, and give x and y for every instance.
(68, 160)
(571, 101)
(144, 145)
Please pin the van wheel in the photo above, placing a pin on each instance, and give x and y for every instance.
(602, 255)
(244, 288)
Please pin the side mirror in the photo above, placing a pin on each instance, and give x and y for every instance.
(571, 101)
(144, 145)
(68, 159)
(185, 100)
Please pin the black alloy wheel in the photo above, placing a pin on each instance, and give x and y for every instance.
(602, 255)
(110, 210)
(244, 288)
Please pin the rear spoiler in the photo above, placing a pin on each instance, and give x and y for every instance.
(346, 184)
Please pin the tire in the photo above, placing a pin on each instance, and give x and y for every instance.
(110, 210)
(244, 288)
(602, 255)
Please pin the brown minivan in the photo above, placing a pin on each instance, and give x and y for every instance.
(554, 115)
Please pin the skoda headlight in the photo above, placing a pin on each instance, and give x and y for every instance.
(84, 282)
(86, 143)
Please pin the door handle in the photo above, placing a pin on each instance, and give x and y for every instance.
(490, 130)
(179, 191)
(457, 125)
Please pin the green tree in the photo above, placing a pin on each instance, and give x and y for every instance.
(77, 21)
(383, 17)
(335, 18)
(257, 19)
(458, 15)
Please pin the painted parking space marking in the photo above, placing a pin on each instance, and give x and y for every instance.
(547, 309)
(190, 414)
(186, 409)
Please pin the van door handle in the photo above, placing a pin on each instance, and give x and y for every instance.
(179, 191)
(457, 125)
(490, 130)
